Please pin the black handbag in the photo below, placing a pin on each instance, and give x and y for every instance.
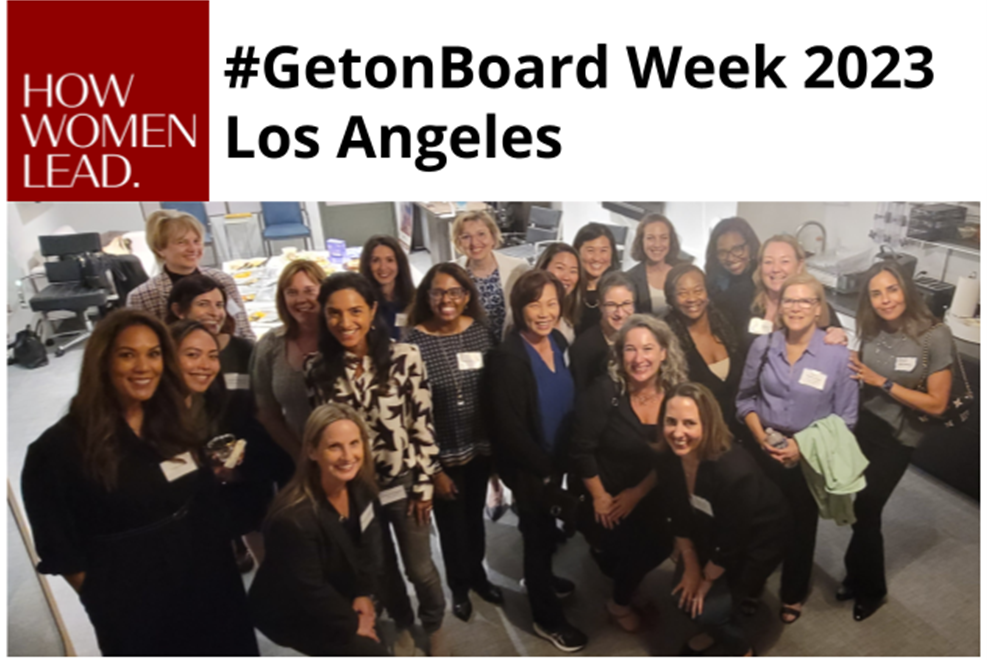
(960, 405)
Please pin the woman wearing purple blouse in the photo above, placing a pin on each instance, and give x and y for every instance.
(792, 378)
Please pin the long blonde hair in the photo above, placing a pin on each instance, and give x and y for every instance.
(306, 485)
(673, 369)
(760, 292)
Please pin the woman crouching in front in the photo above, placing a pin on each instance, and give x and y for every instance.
(313, 591)
(730, 521)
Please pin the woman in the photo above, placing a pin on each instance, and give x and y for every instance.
(730, 266)
(711, 346)
(590, 354)
(123, 504)
(313, 592)
(597, 250)
(385, 265)
(656, 249)
(793, 378)
(616, 424)
(780, 258)
(562, 260)
(357, 364)
(531, 398)
(176, 238)
(897, 334)
(476, 236)
(730, 522)
(277, 364)
(449, 328)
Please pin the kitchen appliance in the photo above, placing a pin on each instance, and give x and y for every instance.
(935, 222)
(963, 315)
(936, 294)
(851, 280)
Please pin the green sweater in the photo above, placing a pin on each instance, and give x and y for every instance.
(833, 466)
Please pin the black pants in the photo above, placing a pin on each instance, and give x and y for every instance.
(356, 646)
(796, 571)
(889, 459)
(539, 535)
(461, 531)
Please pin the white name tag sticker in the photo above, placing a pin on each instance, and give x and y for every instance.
(701, 504)
(759, 326)
(392, 495)
(367, 517)
(179, 466)
(237, 381)
(905, 363)
(813, 378)
(400, 320)
(470, 361)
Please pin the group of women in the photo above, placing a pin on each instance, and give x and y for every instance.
(659, 412)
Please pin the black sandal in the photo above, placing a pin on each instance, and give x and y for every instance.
(791, 611)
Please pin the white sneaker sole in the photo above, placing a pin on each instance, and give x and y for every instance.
(544, 634)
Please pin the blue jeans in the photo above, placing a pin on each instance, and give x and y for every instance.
(416, 553)
(719, 618)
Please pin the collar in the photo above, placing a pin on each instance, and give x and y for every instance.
(351, 362)
(815, 347)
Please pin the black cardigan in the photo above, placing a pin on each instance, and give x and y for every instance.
(638, 274)
(588, 357)
(609, 440)
(750, 518)
(514, 415)
(302, 595)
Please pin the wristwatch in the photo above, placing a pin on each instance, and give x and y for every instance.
(887, 385)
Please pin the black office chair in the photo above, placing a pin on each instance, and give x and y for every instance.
(544, 227)
(75, 285)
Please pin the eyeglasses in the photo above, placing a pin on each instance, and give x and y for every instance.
(736, 252)
(612, 307)
(803, 303)
(455, 294)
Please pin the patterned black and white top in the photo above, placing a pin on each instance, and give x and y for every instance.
(459, 430)
(399, 414)
(492, 298)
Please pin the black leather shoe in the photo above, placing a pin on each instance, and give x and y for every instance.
(462, 608)
(864, 607)
(490, 593)
(845, 593)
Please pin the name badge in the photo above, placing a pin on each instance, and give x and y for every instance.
(178, 467)
(701, 504)
(470, 361)
(400, 320)
(237, 381)
(392, 495)
(367, 517)
(760, 326)
(813, 378)
(905, 363)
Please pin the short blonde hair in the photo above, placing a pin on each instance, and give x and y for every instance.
(166, 224)
(817, 288)
(475, 216)
(760, 293)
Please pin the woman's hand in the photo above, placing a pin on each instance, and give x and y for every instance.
(692, 577)
(444, 486)
(836, 335)
(696, 606)
(624, 503)
(602, 504)
(364, 607)
(420, 509)
(864, 373)
(788, 456)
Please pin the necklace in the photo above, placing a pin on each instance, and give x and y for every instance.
(454, 365)
(645, 398)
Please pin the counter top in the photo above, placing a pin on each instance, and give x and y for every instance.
(847, 304)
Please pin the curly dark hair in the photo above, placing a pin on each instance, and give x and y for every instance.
(718, 323)
(421, 309)
(714, 269)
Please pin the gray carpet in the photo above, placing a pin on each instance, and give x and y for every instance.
(932, 539)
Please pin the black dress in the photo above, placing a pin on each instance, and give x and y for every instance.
(160, 575)
(611, 442)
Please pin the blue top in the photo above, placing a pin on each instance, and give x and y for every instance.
(388, 310)
(556, 393)
(791, 397)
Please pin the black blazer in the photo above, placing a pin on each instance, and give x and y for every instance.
(609, 440)
(750, 517)
(302, 595)
(638, 274)
(514, 415)
(588, 357)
